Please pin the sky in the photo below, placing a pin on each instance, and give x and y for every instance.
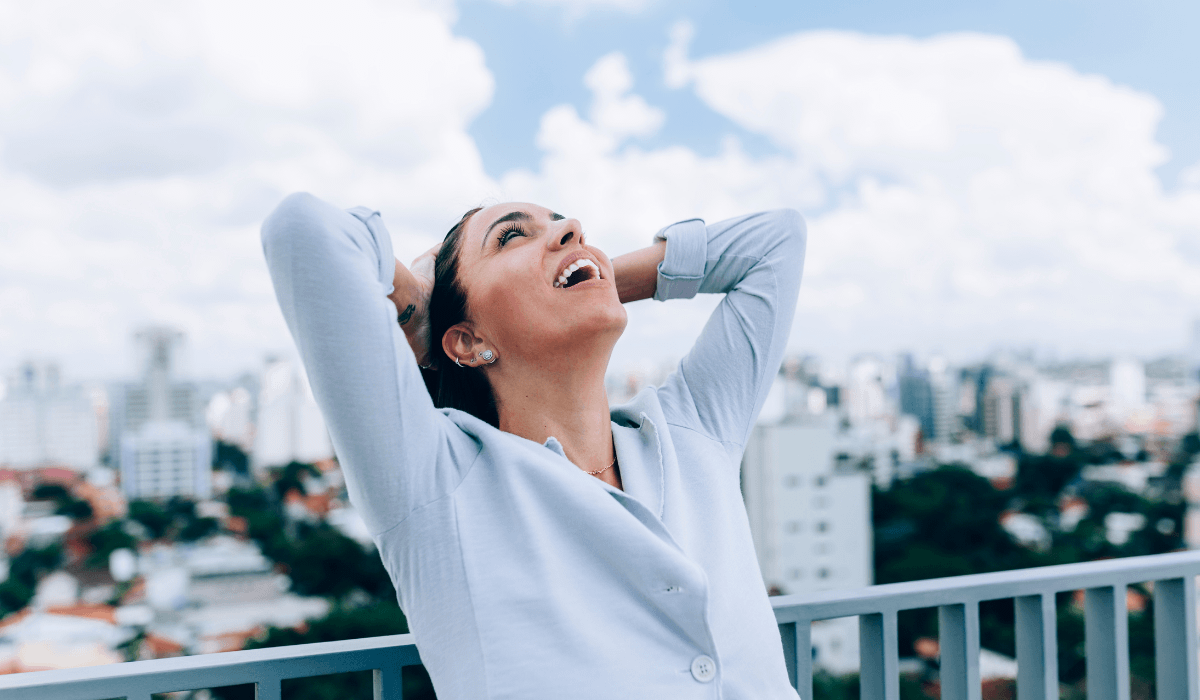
(975, 176)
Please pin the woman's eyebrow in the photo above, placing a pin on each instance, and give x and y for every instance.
(517, 215)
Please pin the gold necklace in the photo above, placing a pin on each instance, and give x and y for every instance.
(601, 471)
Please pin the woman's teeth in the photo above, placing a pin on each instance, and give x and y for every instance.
(570, 270)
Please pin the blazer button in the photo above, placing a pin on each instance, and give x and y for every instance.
(704, 669)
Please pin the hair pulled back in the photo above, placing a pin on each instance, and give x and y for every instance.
(450, 386)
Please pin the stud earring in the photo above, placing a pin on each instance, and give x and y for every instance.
(487, 356)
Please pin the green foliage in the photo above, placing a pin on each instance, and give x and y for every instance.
(1042, 478)
(176, 520)
(24, 571)
(51, 492)
(946, 522)
(106, 540)
(75, 509)
(325, 562)
(245, 501)
(151, 516)
(230, 457)
(199, 528)
(940, 523)
(65, 503)
(292, 478)
(830, 687)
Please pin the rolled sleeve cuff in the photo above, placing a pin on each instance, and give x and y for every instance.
(383, 244)
(682, 270)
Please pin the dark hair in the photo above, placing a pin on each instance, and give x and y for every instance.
(451, 386)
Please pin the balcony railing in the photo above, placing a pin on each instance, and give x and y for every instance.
(957, 600)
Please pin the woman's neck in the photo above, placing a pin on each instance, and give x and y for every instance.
(570, 404)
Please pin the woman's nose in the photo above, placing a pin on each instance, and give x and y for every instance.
(568, 230)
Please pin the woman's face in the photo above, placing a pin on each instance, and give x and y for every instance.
(535, 289)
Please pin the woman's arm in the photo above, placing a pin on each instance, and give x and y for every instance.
(637, 272)
(333, 272)
(756, 261)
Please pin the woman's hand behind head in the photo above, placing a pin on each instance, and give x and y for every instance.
(412, 288)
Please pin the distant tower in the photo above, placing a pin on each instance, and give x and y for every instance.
(165, 450)
(916, 396)
(943, 391)
(1127, 388)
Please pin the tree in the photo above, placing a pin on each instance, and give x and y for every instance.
(65, 502)
(940, 523)
(292, 478)
(1041, 478)
(151, 516)
(229, 457)
(107, 540)
(24, 572)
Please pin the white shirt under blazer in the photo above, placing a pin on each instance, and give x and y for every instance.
(523, 577)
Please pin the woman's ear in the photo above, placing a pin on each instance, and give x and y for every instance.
(460, 342)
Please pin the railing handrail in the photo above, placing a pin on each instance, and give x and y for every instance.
(143, 678)
(975, 588)
(957, 600)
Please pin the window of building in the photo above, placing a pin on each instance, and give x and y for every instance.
(795, 574)
(792, 527)
(791, 481)
(822, 573)
(822, 526)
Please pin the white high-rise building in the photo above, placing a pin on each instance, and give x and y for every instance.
(164, 449)
(290, 427)
(165, 459)
(811, 524)
(43, 423)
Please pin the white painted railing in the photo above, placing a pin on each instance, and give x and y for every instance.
(1032, 590)
(957, 600)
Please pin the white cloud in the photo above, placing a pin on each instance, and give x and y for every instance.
(152, 138)
(577, 8)
(959, 195)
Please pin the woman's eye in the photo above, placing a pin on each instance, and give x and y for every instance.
(509, 233)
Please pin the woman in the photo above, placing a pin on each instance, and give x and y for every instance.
(543, 545)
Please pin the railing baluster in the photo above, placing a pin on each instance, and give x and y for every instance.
(1175, 639)
(879, 674)
(1107, 643)
(797, 654)
(958, 639)
(388, 682)
(268, 689)
(804, 658)
(1037, 647)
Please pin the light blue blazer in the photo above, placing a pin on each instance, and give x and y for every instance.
(523, 577)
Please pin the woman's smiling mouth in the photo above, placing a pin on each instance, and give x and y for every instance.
(580, 270)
